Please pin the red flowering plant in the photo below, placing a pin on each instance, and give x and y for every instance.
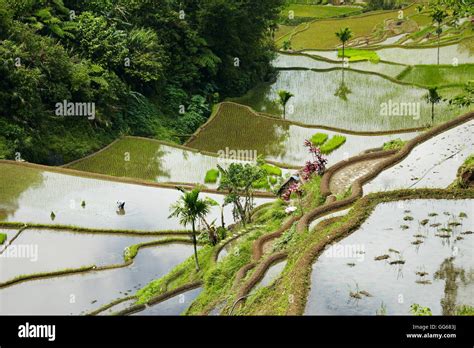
(317, 164)
(292, 188)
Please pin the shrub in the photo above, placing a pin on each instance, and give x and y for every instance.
(464, 174)
(211, 176)
(465, 310)
(332, 144)
(319, 138)
(395, 144)
(3, 237)
(261, 184)
(416, 309)
(316, 165)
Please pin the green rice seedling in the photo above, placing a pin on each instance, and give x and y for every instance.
(319, 139)
(211, 176)
(332, 144)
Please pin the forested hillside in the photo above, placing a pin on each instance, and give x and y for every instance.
(151, 68)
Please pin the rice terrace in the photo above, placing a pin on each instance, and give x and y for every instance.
(237, 158)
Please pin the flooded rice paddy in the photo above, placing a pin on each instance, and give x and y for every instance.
(276, 140)
(424, 254)
(146, 208)
(460, 53)
(433, 163)
(81, 293)
(38, 251)
(149, 160)
(346, 99)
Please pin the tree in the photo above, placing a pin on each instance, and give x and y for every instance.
(344, 35)
(283, 98)
(189, 209)
(286, 45)
(238, 181)
(434, 98)
(437, 16)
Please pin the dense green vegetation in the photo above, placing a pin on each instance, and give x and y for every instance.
(355, 55)
(319, 138)
(150, 68)
(332, 144)
(395, 144)
(211, 176)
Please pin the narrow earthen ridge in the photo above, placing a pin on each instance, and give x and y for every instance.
(160, 298)
(364, 207)
(130, 310)
(110, 305)
(9, 242)
(326, 179)
(87, 230)
(260, 271)
(215, 253)
(124, 180)
(242, 272)
(257, 246)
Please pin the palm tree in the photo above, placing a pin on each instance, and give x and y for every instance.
(434, 98)
(283, 98)
(438, 16)
(189, 209)
(344, 35)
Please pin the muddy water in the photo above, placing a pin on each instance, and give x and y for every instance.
(173, 306)
(270, 276)
(439, 261)
(76, 294)
(433, 163)
(47, 251)
(146, 208)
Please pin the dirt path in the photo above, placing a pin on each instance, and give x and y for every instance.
(345, 177)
